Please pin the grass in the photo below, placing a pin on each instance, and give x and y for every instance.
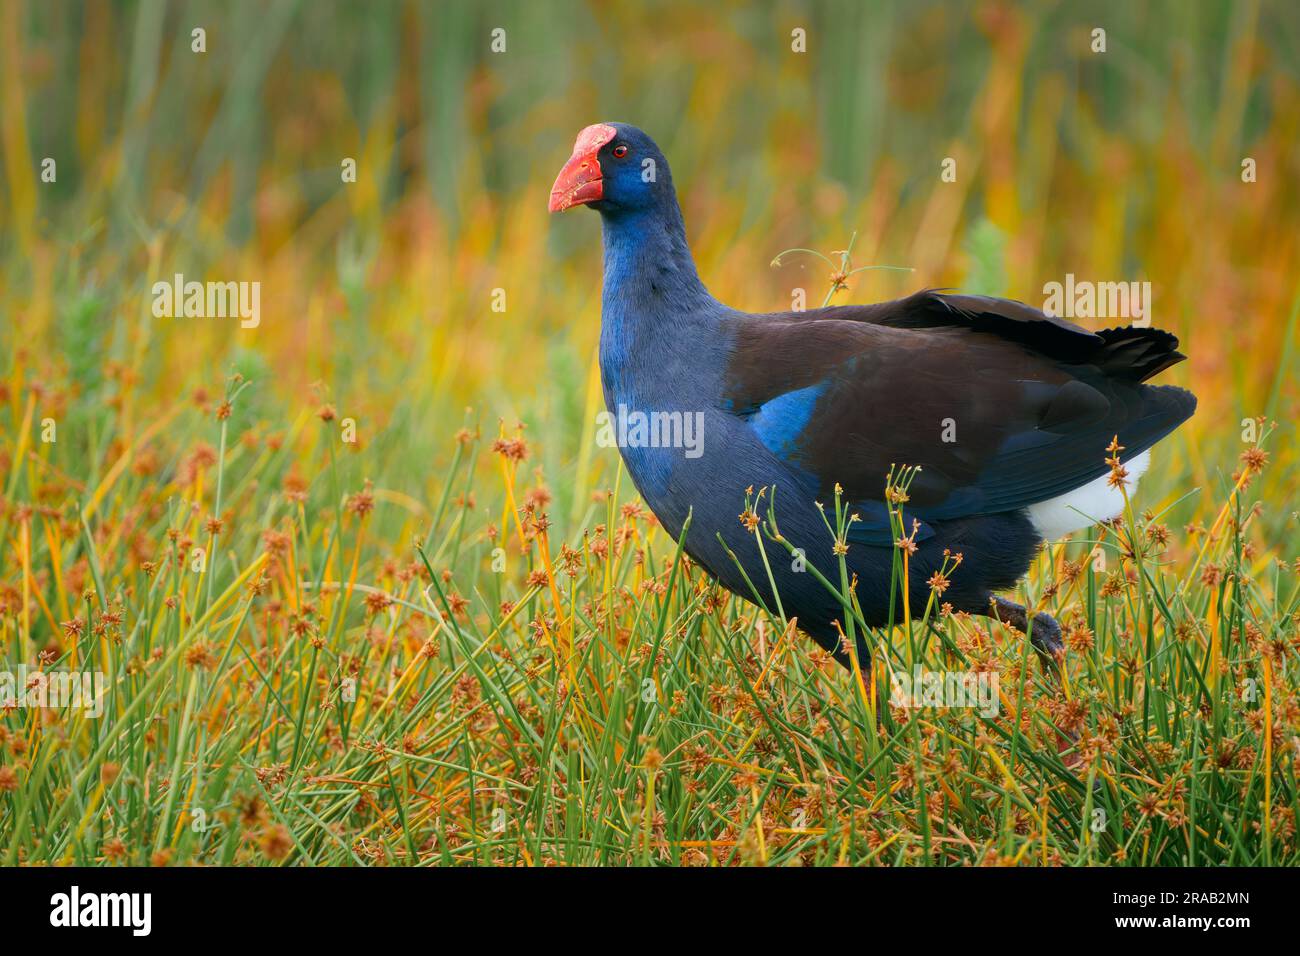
(308, 670)
(458, 638)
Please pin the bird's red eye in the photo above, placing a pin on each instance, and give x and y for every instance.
(620, 151)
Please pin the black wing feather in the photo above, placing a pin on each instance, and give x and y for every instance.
(1034, 399)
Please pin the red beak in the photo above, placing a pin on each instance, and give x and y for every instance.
(579, 181)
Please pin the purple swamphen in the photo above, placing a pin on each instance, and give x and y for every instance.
(1009, 414)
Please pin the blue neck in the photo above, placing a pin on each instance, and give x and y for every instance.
(652, 298)
(646, 256)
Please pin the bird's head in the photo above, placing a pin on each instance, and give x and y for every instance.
(614, 167)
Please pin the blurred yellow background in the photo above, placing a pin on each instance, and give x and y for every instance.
(225, 164)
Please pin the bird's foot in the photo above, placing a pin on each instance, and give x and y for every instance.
(1044, 635)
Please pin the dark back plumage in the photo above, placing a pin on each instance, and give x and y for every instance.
(999, 405)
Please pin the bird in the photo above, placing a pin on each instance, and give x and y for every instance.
(1008, 422)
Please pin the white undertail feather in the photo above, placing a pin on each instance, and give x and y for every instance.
(1086, 505)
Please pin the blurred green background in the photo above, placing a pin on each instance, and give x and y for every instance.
(1122, 165)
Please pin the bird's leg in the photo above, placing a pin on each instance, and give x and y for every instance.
(1046, 639)
(1046, 633)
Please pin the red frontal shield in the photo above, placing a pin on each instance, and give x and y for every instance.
(579, 181)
